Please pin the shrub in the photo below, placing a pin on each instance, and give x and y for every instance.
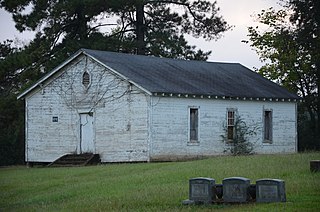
(240, 144)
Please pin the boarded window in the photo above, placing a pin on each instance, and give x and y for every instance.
(86, 79)
(194, 113)
(268, 125)
(230, 124)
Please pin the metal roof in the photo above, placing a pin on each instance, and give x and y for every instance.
(183, 77)
(173, 76)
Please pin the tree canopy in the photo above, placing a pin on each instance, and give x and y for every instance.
(290, 47)
(135, 24)
(149, 27)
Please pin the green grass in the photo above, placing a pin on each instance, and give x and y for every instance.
(154, 186)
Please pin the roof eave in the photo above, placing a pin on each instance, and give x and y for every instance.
(118, 74)
(55, 70)
(206, 96)
(47, 76)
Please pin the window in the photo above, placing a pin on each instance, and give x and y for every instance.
(267, 126)
(194, 113)
(230, 123)
(86, 79)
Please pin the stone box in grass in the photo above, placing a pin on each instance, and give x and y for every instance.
(201, 190)
(315, 165)
(236, 189)
(270, 190)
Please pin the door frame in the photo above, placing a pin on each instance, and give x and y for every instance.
(80, 151)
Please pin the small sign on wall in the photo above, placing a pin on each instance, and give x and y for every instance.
(54, 118)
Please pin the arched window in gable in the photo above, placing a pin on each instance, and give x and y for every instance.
(86, 79)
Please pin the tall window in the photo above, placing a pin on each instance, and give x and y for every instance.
(86, 79)
(194, 113)
(268, 126)
(230, 123)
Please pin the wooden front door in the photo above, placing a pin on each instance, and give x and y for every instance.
(86, 133)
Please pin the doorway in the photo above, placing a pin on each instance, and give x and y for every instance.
(86, 133)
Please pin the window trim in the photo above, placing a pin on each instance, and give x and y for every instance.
(194, 141)
(269, 137)
(234, 111)
(82, 79)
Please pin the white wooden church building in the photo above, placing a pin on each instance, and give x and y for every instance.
(142, 108)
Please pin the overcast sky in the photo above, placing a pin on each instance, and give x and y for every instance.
(227, 49)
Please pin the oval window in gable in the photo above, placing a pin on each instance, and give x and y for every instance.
(86, 79)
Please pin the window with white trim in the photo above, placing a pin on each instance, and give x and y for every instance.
(230, 123)
(86, 79)
(267, 137)
(193, 128)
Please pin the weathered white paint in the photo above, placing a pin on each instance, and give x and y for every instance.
(129, 124)
(170, 126)
(119, 116)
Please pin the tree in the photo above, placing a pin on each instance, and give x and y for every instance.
(11, 111)
(139, 24)
(290, 48)
(149, 27)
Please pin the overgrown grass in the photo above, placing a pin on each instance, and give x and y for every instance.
(154, 186)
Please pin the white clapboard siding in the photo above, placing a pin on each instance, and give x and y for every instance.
(129, 124)
(119, 110)
(170, 126)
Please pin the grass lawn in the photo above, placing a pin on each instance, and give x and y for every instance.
(155, 186)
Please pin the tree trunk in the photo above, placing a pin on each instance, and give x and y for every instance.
(318, 101)
(140, 28)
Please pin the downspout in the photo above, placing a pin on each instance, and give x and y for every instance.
(150, 109)
(26, 131)
(80, 135)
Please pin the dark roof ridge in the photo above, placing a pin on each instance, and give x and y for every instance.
(156, 57)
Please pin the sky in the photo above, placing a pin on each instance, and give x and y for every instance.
(229, 48)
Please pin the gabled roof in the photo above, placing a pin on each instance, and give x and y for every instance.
(181, 77)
